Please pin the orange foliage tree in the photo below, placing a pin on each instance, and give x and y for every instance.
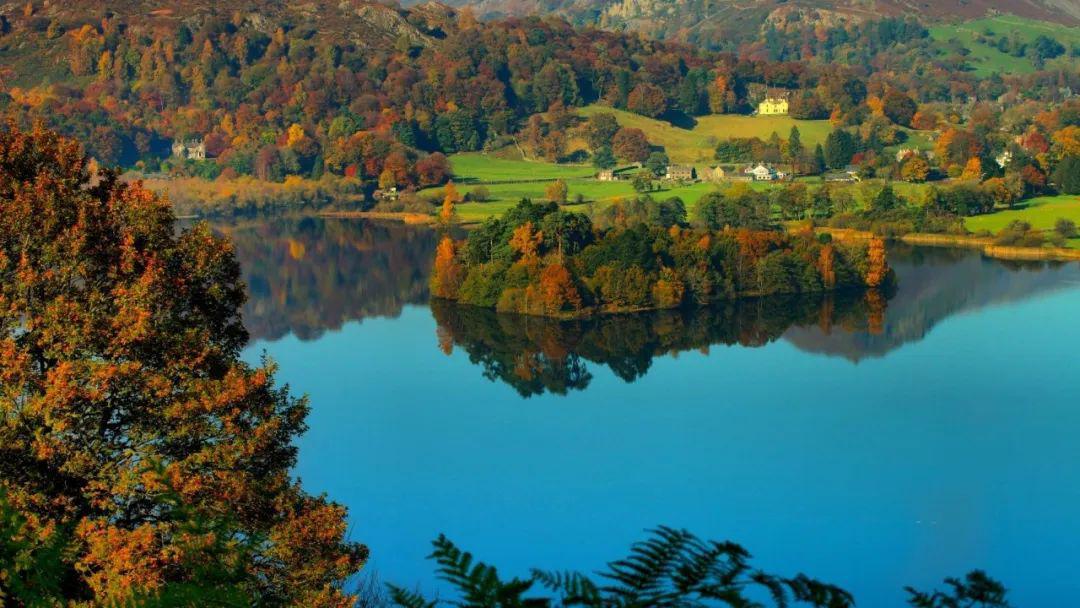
(527, 242)
(827, 266)
(448, 213)
(126, 412)
(972, 169)
(558, 290)
(446, 276)
(877, 266)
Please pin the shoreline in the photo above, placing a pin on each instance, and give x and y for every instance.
(984, 244)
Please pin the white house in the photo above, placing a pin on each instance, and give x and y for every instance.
(763, 173)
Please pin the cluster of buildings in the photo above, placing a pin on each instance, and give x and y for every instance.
(759, 172)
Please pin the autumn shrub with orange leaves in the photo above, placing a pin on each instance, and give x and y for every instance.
(542, 260)
(129, 425)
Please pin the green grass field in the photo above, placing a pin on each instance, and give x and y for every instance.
(1041, 213)
(697, 145)
(987, 60)
(477, 167)
(505, 196)
(472, 169)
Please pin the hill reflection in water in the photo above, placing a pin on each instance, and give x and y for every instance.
(308, 275)
(934, 284)
(537, 355)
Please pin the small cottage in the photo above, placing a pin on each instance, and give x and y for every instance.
(607, 175)
(681, 173)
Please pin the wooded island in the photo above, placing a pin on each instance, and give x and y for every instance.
(541, 260)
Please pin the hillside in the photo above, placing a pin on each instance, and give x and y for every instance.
(724, 23)
(32, 54)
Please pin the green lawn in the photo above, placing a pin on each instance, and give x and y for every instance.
(478, 167)
(987, 60)
(1040, 212)
(697, 145)
(599, 193)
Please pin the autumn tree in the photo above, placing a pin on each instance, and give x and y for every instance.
(899, 108)
(915, 169)
(647, 99)
(446, 276)
(599, 130)
(451, 197)
(556, 191)
(526, 242)
(877, 267)
(972, 169)
(631, 144)
(827, 265)
(126, 411)
(558, 290)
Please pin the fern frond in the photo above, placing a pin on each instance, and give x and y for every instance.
(408, 599)
(818, 594)
(575, 588)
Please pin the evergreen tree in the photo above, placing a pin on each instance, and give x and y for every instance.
(795, 146)
(818, 163)
(1067, 175)
(840, 147)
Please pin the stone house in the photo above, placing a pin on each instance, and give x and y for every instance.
(682, 173)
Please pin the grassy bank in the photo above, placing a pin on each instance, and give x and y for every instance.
(1040, 212)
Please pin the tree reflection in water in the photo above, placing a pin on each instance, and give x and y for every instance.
(307, 275)
(538, 355)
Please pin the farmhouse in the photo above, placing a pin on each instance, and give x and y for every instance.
(191, 150)
(764, 173)
(773, 106)
(680, 173)
(607, 175)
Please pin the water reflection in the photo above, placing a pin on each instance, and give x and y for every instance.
(309, 275)
(537, 355)
(934, 284)
(306, 276)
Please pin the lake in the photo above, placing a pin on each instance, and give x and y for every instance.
(870, 440)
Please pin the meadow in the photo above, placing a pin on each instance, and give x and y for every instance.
(985, 59)
(1040, 212)
(478, 167)
(697, 145)
(529, 179)
(504, 196)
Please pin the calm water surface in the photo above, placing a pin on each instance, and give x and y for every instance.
(870, 444)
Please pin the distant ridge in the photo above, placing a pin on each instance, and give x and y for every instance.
(735, 20)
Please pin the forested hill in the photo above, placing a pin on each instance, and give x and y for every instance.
(723, 23)
(360, 22)
(382, 93)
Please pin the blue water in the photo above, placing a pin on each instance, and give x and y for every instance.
(944, 442)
